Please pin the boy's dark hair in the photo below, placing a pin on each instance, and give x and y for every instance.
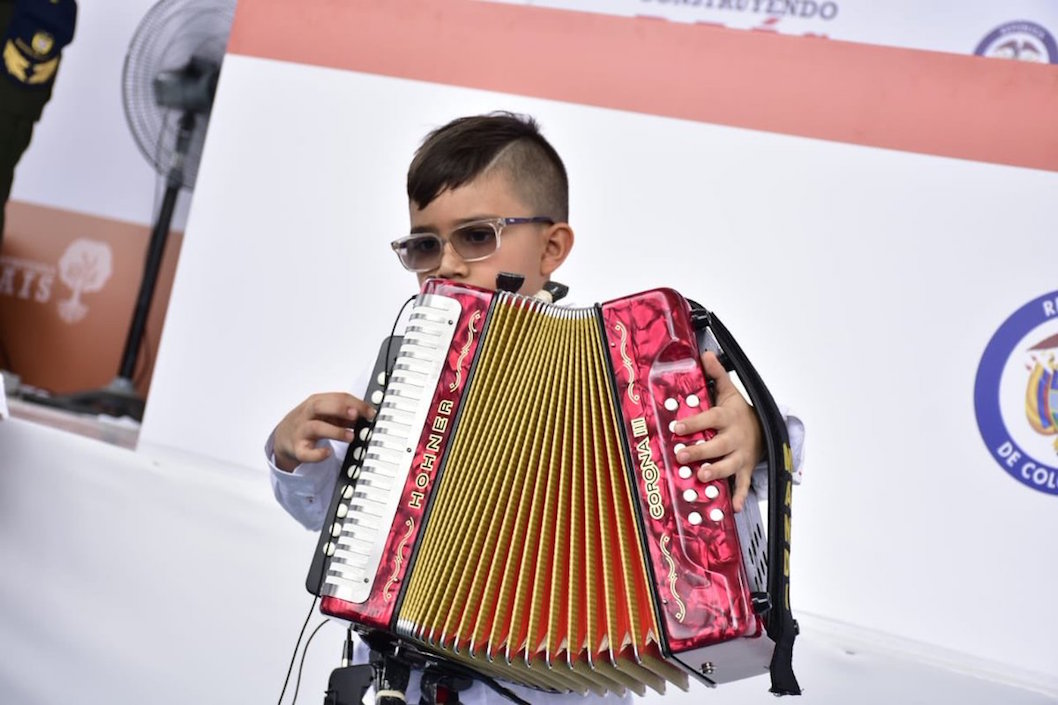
(461, 151)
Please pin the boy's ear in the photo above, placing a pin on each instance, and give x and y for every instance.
(556, 248)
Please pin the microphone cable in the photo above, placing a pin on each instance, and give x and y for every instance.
(304, 652)
(293, 656)
(319, 586)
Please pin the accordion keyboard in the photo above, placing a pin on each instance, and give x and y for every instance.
(371, 490)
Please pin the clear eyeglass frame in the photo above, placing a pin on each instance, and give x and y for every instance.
(401, 245)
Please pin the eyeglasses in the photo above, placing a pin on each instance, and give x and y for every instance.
(475, 241)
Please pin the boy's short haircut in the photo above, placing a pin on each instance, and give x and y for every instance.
(464, 149)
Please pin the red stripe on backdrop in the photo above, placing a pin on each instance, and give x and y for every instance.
(918, 101)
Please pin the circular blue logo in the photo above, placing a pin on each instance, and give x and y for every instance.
(1016, 394)
(1021, 40)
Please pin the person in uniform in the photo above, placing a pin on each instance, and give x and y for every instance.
(33, 34)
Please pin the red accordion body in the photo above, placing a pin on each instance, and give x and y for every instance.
(692, 610)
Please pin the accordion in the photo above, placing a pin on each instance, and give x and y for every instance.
(516, 506)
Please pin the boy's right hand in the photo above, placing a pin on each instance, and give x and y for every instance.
(321, 416)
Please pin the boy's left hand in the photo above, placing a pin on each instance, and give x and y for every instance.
(736, 447)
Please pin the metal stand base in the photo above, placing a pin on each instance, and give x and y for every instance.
(119, 398)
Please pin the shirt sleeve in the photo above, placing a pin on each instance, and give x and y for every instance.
(305, 493)
(795, 428)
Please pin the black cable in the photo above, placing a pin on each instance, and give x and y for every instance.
(505, 692)
(323, 573)
(389, 345)
(489, 681)
(297, 683)
(371, 430)
(347, 649)
(294, 655)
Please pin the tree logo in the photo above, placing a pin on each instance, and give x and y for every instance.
(84, 267)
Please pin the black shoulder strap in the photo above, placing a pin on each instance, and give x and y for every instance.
(780, 624)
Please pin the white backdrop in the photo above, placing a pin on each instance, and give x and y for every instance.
(864, 282)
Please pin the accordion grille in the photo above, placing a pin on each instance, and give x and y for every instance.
(530, 567)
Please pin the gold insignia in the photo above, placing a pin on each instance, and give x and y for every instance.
(681, 609)
(44, 72)
(387, 595)
(632, 394)
(463, 353)
(24, 70)
(42, 43)
(14, 61)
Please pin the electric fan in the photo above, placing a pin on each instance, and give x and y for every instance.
(170, 77)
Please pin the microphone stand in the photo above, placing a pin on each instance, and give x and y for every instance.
(390, 671)
(120, 397)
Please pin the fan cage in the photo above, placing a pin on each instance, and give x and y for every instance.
(169, 35)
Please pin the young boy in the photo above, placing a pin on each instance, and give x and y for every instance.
(488, 194)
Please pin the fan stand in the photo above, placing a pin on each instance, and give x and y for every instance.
(120, 398)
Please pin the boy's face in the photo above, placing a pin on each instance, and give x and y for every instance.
(533, 250)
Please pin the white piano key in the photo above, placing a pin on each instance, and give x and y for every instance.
(351, 550)
(389, 475)
(348, 568)
(342, 592)
(424, 342)
(411, 376)
(362, 533)
(408, 390)
(410, 365)
(387, 462)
